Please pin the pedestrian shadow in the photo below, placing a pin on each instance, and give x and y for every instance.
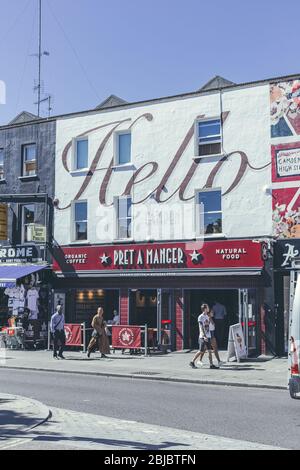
(119, 444)
(10, 420)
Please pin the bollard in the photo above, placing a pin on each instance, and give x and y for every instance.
(84, 337)
(146, 340)
(49, 337)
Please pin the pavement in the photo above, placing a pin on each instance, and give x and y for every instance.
(262, 372)
(28, 425)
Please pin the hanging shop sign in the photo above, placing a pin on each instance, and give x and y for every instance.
(237, 254)
(3, 222)
(36, 233)
(286, 253)
(128, 337)
(20, 254)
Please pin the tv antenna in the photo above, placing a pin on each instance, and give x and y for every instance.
(39, 55)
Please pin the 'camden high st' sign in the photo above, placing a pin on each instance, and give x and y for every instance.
(110, 259)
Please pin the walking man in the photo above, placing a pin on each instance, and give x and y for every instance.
(57, 328)
(204, 338)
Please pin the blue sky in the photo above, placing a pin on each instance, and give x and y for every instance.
(140, 49)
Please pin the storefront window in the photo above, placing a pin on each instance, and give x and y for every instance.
(88, 300)
(143, 307)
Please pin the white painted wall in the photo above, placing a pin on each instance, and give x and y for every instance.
(247, 210)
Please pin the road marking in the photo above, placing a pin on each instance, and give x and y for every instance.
(15, 443)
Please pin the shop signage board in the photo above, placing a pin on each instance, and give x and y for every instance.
(20, 254)
(286, 253)
(286, 162)
(231, 254)
(3, 222)
(236, 343)
(126, 337)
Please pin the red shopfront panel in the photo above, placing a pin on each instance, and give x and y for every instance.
(179, 312)
(192, 257)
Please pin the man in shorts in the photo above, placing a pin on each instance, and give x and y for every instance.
(204, 338)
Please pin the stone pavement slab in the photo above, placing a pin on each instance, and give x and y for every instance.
(263, 372)
(72, 430)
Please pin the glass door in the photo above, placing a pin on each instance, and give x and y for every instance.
(165, 319)
(247, 318)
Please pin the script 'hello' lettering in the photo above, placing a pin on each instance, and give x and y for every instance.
(149, 169)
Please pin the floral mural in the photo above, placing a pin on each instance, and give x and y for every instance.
(286, 213)
(285, 108)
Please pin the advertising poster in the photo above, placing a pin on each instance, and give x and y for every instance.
(236, 343)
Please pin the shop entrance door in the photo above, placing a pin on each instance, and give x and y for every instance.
(247, 318)
(165, 319)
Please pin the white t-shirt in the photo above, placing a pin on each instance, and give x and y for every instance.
(32, 298)
(204, 321)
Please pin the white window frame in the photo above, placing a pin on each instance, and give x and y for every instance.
(73, 221)
(2, 177)
(24, 226)
(217, 141)
(28, 161)
(116, 148)
(116, 228)
(74, 155)
(197, 214)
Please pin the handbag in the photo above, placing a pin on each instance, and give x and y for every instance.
(95, 334)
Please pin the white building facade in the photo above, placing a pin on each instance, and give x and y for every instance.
(166, 204)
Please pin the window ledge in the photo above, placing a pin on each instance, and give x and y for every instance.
(124, 166)
(80, 242)
(82, 172)
(123, 240)
(216, 155)
(211, 235)
(28, 178)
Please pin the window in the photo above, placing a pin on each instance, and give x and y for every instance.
(123, 140)
(29, 160)
(1, 164)
(80, 221)
(124, 217)
(28, 219)
(209, 207)
(209, 137)
(81, 154)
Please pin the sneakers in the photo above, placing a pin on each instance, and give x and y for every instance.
(212, 366)
(192, 365)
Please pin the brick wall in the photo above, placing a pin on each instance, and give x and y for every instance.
(179, 311)
(124, 306)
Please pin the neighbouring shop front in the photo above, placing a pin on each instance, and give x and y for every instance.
(25, 288)
(164, 284)
(287, 272)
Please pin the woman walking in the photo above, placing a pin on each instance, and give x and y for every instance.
(99, 335)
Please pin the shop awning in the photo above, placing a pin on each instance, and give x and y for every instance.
(11, 273)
